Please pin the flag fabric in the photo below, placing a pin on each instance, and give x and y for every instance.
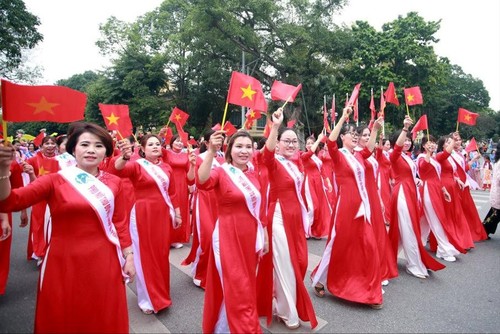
(354, 95)
(372, 109)
(117, 118)
(59, 104)
(192, 142)
(168, 135)
(413, 96)
(332, 111)
(290, 123)
(472, 146)
(419, 126)
(229, 128)
(178, 117)
(284, 92)
(390, 94)
(382, 104)
(355, 111)
(246, 91)
(253, 115)
(38, 139)
(267, 128)
(467, 117)
(182, 135)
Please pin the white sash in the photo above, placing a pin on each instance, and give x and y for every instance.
(162, 181)
(298, 179)
(215, 163)
(460, 161)
(65, 160)
(432, 161)
(317, 161)
(252, 198)
(359, 176)
(102, 200)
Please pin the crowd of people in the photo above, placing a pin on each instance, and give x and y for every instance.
(106, 211)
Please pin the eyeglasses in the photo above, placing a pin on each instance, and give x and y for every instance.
(288, 142)
(353, 133)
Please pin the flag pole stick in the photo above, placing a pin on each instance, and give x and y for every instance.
(224, 116)
(4, 130)
(457, 127)
(284, 104)
(407, 110)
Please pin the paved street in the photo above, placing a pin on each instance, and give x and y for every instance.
(462, 298)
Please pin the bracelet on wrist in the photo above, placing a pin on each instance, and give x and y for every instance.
(126, 159)
(405, 129)
(5, 177)
(127, 253)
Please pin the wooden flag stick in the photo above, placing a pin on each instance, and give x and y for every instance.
(287, 100)
(457, 127)
(4, 129)
(224, 116)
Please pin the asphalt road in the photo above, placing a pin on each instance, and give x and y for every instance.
(462, 298)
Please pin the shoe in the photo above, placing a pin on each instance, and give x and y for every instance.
(287, 325)
(383, 291)
(319, 290)
(385, 282)
(147, 311)
(39, 262)
(377, 306)
(448, 258)
(176, 245)
(415, 275)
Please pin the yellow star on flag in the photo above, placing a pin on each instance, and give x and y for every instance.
(252, 114)
(43, 105)
(467, 117)
(248, 92)
(112, 119)
(43, 171)
(177, 117)
(410, 98)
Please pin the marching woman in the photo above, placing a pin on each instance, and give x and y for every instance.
(459, 229)
(493, 217)
(155, 209)
(287, 215)
(350, 266)
(238, 240)
(318, 205)
(384, 177)
(204, 216)
(405, 209)
(364, 150)
(178, 158)
(81, 284)
(433, 193)
(44, 162)
(470, 210)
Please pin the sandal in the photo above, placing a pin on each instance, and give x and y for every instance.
(319, 290)
(291, 327)
(147, 311)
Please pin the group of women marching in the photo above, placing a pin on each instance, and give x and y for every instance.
(108, 212)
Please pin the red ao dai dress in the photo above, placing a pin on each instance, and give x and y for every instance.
(238, 238)
(405, 216)
(350, 266)
(81, 286)
(150, 221)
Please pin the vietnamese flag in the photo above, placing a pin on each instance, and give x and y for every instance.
(390, 94)
(326, 125)
(59, 104)
(178, 117)
(267, 128)
(38, 139)
(183, 136)
(229, 128)
(419, 126)
(284, 92)
(382, 105)
(372, 109)
(472, 146)
(332, 111)
(117, 118)
(47, 166)
(467, 117)
(413, 96)
(168, 135)
(251, 116)
(291, 123)
(246, 91)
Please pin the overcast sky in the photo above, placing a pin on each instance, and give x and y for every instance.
(469, 34)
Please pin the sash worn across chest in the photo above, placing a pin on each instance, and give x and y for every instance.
(298, 179)
(252, 195)
(162, 181)
(65, 160)
(100, 198)
(359, 176)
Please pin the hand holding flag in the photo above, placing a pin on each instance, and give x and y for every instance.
(116, 117)
(419, 126)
